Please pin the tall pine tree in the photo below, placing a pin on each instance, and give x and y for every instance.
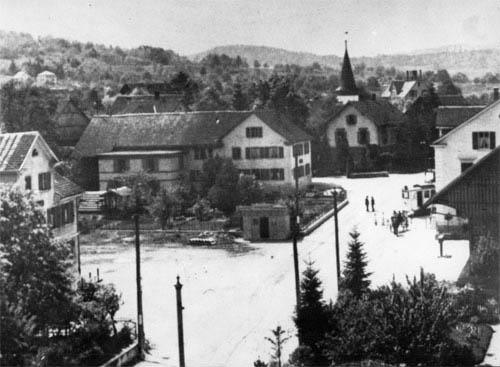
(239, 100)
(355, 276)
(311, 318)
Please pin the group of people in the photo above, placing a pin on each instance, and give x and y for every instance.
(368, 202)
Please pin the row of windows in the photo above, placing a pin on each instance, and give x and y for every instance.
(44, 181)
(301, 149)
(203, 153)
(265, 174)
(363, 136)
(258, 152)
(148, 165)
(61, 215)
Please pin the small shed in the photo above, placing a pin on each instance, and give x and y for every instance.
(265, 222)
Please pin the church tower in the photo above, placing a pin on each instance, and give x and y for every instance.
(347, 90)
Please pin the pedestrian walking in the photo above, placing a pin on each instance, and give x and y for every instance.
(367, 203)
(373, 204)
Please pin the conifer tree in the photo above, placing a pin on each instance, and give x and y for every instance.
(311, 318)
(239, 100)
(355, 276)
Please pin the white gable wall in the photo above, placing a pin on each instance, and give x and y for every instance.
(340, 122)
(457, 146)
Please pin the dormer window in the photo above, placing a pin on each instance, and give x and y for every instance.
(351, 119)
(254, 132)
(34, 153)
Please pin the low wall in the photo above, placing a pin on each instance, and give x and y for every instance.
(126, 356)
(369, 174)
(312, 226)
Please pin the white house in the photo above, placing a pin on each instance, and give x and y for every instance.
(402, 93)
(27, 164)
(461, 147)
(166, 145)
(46, 78)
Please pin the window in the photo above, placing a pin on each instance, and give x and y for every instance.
(34, 153)
(254, 132)
(351, 119)
(483, 140)
(27, 183)
(203, 153)
(150, 164)
(308, 169)
(427, 194)
(263, 152)
(277, 174)
(44, 181)
(121, 165)
(465, 165)
(306, 147)
(340, 137)
(298, 149)
(236, 153)
(363, 136)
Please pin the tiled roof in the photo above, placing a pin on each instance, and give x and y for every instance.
(125, 104)
(452, 116)
(13, 149)
(452, 100)
(64, 187)
(174, 130)
(381, 112)
(153, 87)
(491, 156)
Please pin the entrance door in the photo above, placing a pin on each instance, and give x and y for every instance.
(419, 199)
(264, 227)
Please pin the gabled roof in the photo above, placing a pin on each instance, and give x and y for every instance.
(69, 107)
(152, 87)
(381, 112)
(14, 148)
(494, 155)
(452, 116)
(442, 139)
(64, 187)
(125, 104)
(174, 130)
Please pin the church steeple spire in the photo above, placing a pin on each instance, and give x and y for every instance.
(347, 83)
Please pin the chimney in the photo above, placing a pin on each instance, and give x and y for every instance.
(414, 75)
(496, 95)
(407, 75)
(420, 75)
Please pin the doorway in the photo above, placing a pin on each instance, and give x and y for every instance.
(419, 199)
(264, 227)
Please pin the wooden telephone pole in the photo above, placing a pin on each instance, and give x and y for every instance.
(337, 251)
(295, 233)
(180, 326)
(140, 321)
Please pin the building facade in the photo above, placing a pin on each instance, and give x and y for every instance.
(460, 148)
(167, 145)
(265, 222)
(27, 164)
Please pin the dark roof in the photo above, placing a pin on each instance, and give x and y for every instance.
(13, 149)
(452, 116)
(153, 87)
(71, 121)
(493, 156)
(452, 100)
(398, 84)
(64, 187)
(381, 112)
(174, 130)
(347, 83)
(125, 104)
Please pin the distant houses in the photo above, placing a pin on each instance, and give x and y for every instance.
(403, 93)
(166, 145)
(27, 164)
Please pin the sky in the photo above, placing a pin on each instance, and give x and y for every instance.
(316, 26)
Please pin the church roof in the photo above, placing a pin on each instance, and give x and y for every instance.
(347, 83)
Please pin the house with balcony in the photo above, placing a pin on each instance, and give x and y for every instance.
(27, 164)
(170, 145)
(466, 144)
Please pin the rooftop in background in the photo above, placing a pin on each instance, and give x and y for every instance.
(64, 187)
(128, 104)
(452, 116)
(160, 131)
(452, 100)
(152, 88)
(380, 111)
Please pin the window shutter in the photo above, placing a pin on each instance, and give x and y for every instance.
(359, 137)
(71, 212)
(475, 140)
(57, 216)
(492, 140)
(281, 153)
(48, 180)
(40, 181)
(247, 153)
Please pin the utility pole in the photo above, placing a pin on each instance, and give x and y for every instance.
(295, 233)
(180, 326)
(140, 324)
(337, 251)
